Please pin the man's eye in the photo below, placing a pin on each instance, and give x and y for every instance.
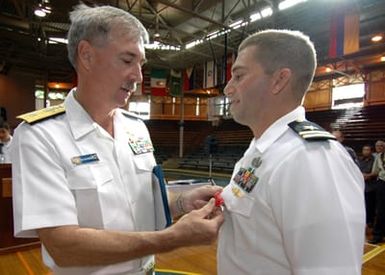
(127, 61)
(237, 77)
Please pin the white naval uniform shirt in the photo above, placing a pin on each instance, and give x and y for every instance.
(305, 215)
(50, 190)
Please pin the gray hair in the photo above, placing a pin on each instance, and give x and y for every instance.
(278, 49)
(95, 23)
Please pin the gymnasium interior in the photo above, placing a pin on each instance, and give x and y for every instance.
(193, 45)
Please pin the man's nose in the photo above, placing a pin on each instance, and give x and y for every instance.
(137, 73)
(228, 90)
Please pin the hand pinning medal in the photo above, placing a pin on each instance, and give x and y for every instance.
(219, 201)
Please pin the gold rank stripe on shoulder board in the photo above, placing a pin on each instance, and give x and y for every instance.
(42, 114)
(310, 131)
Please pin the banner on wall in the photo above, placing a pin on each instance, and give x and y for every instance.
(175, 82)
(209, 75)
(188, 79)
(158, 82)
(344, 34)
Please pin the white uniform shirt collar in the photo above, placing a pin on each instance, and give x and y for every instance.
(276, 129)
(79, 120)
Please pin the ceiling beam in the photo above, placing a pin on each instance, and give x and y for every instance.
(195, 14)
(231, 10)
(196, 6)
(163, 21)
(18, 8)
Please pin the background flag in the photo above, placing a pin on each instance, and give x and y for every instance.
(188, 79)
(344, 34)
(210, 75)
(158, 82)
(175, 83)
(229, 63)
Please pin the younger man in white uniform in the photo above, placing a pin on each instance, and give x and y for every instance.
(295, 204)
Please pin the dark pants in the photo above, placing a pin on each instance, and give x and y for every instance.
(370, 206)
(379, 226)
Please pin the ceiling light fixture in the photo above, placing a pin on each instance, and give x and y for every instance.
(382, 58)
(40, 13)
(377, 38)
(43, 8)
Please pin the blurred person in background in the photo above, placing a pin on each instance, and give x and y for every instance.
(365, 163)
(5, 142)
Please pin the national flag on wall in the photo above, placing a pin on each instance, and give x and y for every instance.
(175, 83)
(188, 79)
(344, 34)
(229, 63)
(210, 75)
(158, 82)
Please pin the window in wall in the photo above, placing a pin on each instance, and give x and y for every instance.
(222, 106)
(54, 97)
(348, 96)
(142, 109)
(218, 107)
(39, 98)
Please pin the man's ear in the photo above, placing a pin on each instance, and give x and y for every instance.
(85, 53)
(282, 78)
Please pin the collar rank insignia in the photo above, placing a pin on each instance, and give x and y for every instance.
(43, 114)
(310, 131)
(246, 179)
(140, 145)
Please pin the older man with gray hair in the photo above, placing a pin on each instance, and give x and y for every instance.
(82, 171)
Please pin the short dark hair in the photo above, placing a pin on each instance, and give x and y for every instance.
(276, 49)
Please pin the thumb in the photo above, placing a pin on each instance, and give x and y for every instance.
(207, 209)
(199, 204)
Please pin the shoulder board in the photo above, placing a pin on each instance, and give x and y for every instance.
(310, 131)
(43, 114)
(131, 115)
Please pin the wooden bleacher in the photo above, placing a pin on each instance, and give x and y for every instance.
(8, 243)
(360, 126)
(165, 136)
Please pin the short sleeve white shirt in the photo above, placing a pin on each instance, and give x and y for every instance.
(51, 188)
(305, 214)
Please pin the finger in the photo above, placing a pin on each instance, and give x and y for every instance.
(218, 218)
(207, 209)
(211, 190)
(208, 192)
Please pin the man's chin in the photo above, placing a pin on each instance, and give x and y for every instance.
(239, 119)
(121, 104)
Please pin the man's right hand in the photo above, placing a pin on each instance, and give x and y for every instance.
(199, 226)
